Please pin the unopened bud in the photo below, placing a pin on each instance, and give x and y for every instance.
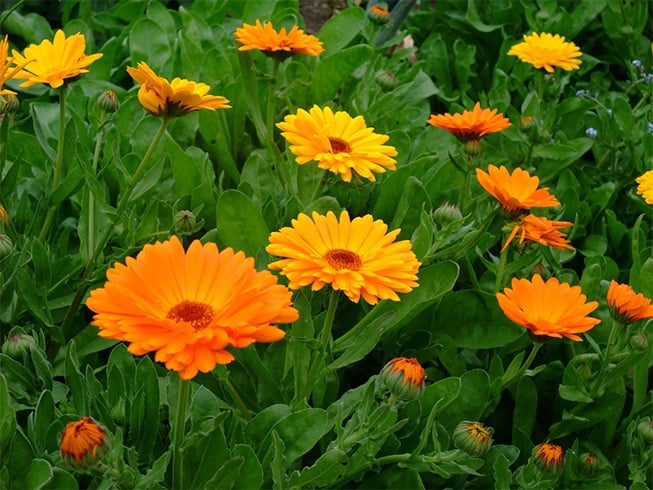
(473, 148)
(386, 79)
(185, 221)
(108, 101)
(18, 344)
(474, 438)
(4, 215)
(404, 377)
(645, 429)
(6, 245)
(550, 458)
(527, 123)
(447, 213)
(639, 342)
(9, 104)
(588, 462)
(379, 13)
(83, 442)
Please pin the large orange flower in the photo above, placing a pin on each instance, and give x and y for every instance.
(626, 306)
(81, 440)
(471, 125)
(172, 99)
(264, 37)
(547, 51)
(540, 230)
(355, 256)
(553, 309)
(516, 191)
(54, 62)
(188, 307)
(339, 143)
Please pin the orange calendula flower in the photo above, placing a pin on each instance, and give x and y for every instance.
(516, 191)
(54, 62)
(339, 143)
(547, 51)
(264, 37)
(358, 257)
(190, 306)
(404, 377)
(645, 187)
(540, 230)
(81, 440)
(626, 306)
(553, 309)
(471, 125)
(162, 98)
(474, 438)
(549, 457)
(7, 72)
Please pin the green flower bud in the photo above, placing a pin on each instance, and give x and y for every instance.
(108, 101)
(473, 148)
(404, 377)
(645, 429)
(6, 245)
(18, 344)
(9, 104)
(379, 14)
(475, 438)
(588, 462)
(386, 79)
(639, 342)
(185, 221)
(447, 213)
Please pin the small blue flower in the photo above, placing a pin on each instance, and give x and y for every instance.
(649, 127)
(636, 63)
(582, 93)
(591, 132)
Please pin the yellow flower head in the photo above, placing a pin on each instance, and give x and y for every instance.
(7, 72)
(54, 62)
(547, 51)
(355, 256)
(81, 440)
(645, 187)
(627, 306)
(540, 230)
(471, 125)
(172, 99)
(339, 143)
(264, 37)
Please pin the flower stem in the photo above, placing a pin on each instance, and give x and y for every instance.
(178, 434)
(269, 116)
(527, 363)
(605, 358)
(464, 189)
(500, 269)
(91, 196)
(325, 335)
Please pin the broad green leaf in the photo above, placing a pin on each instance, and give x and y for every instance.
(324, 472)
(333, 71)
(301, 430)
(251, 471)
(7, 415)
(40, 473)
(339, 30)
(148, 42)
(240, 224)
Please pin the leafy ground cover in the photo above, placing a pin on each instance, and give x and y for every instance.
(412, 250)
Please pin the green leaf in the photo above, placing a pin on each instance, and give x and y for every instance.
(226, 475)
(502, 473)
(333, 71)
(142, 429)
(471, 400)
(573, 394)
(149, 42)
(251, 471)
(260, 426)
(75, 380)
(39, 474)
(156, 473)
(323, 473)
(525, 410)
(7, 415)
(301, 430)
(339, 30)
(240, 224)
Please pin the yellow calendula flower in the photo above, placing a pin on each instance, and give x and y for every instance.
(645, 187)
(547, 51)
(7, 71)
(54, 62)
(162, 98)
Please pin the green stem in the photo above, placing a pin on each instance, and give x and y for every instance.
(178, 434)
(8, 12)
(500, 269)
(269, 116)
(605, 358)
(58, 164)
(640, 383)
(464, 189)
(318, 187)
(91, 197)
(527, 363)
(325, 334)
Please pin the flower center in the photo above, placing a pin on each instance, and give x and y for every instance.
(343, 259)
(199, 315)
(339, 145)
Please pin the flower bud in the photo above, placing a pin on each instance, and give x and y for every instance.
(404, 377)
(527, 123)
(4, 215)
(386, 79)
(473, 148)
(588, 462)
(474, 438)
(379, 14)
(18, 344)
(9, 104)
(550, 458)
(639, 342)
(108, 101)
(82, 442)
(447, 213)
(584, 371)
(645, 429)
(184, 221)
(6, 245)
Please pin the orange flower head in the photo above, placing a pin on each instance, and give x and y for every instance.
(81, 441)
(338, 143)
(553, 309)
(549, 457)
(645, 187)
(7, 71)
(471, 125)
(626, 306)
(54, 62)
(358, 257)
(547, 51)
(404, 377)
(516, 191)
(4, 215)
(282, 44)
(540, 230)
(190, 306)
(172, 99)
(475, 438)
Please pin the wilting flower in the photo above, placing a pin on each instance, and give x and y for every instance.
(81, 440)
(54, 62)
(516, 191)
(547, 51)
(475, 438)
(626, 306)
(645, 187)
(553, 309)
(7, 72)
(471, 125)
(404, 377)
(172, 99)
(189, 307)
(549, 457)
(338, 142)
(540, 230)
(355, 256)
(264, 37)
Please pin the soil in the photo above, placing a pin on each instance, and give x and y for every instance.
(317, 12)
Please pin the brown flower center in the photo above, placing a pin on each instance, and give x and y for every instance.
(339, 145)
(199, 315)
(343, 259)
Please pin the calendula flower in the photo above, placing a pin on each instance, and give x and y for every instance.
(404, 377)
(264, 37)
(540, 230)
(645, 187)
(54, 62)
(626, 306)
(471, 125)
(548, 457)
(4, 215)
(337, 142)
(162, 98)
(547, 51)
(516, 191)
(189, 307)
(553, 309)
(81, 440)
(475, 438)
(7, 71)
(358, 257)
